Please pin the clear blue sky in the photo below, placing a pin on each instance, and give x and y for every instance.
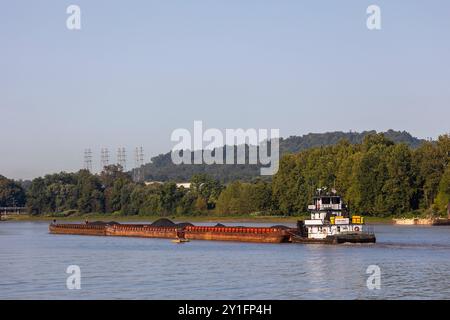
(140, 69)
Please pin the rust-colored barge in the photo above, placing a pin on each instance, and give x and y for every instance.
(246, 234)
(78, 229)
(241, 234)
(141, 230)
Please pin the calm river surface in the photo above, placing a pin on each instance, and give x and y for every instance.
(414, 263)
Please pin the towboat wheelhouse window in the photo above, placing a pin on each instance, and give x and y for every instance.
(336, 200)
(326, 200)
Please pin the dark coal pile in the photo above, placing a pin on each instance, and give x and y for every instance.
(163, 222)
(220, 225)
(102, 223)
(184, 224)
(279, 226)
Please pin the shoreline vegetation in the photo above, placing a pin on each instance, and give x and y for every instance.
(378, 179)
(183, 218)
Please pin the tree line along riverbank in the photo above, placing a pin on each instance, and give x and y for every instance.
(183, 218)
(377, 177)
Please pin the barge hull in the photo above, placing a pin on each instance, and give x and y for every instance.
(337, 239)
(141, 231)
(244, 234)
(241, 234)
(239, 237)
(78, 229)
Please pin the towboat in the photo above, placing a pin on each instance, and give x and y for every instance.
(331, 222)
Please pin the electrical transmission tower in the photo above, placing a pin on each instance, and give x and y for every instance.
(122, 158)
(138, 157)
(138, 172)
(104, 157)
(88, 159)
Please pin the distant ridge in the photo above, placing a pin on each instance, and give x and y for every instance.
(162, 169)
(311, 140)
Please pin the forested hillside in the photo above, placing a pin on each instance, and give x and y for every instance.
(377, 177)
(161, 167)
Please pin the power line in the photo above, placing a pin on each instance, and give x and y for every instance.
(88, 159)
(122, 158)
(138, 157)
(104, 157)
(138, 172)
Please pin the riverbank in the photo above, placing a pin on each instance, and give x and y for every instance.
(204, 219)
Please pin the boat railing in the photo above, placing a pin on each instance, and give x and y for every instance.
(78, 226)
(323, 206)
(262, 230)
(142, 227)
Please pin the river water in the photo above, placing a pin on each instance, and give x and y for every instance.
(414, 263)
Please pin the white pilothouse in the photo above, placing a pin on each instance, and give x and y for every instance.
(331, 222)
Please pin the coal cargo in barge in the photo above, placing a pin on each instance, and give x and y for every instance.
(174, 231)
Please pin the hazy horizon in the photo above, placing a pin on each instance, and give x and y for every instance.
(96, 154)
(137, 71)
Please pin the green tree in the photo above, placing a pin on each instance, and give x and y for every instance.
(114, 199)
(290, 186)
(90, 195)
(11, 193)
(399, 188)
(443, 197)
(126, 205)
(245, 198)
(169, 197)
(37, 199)
(207, 188)
(113, 179)
(428, 163)
(228, 202)
(259, 196)
(187, 204)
